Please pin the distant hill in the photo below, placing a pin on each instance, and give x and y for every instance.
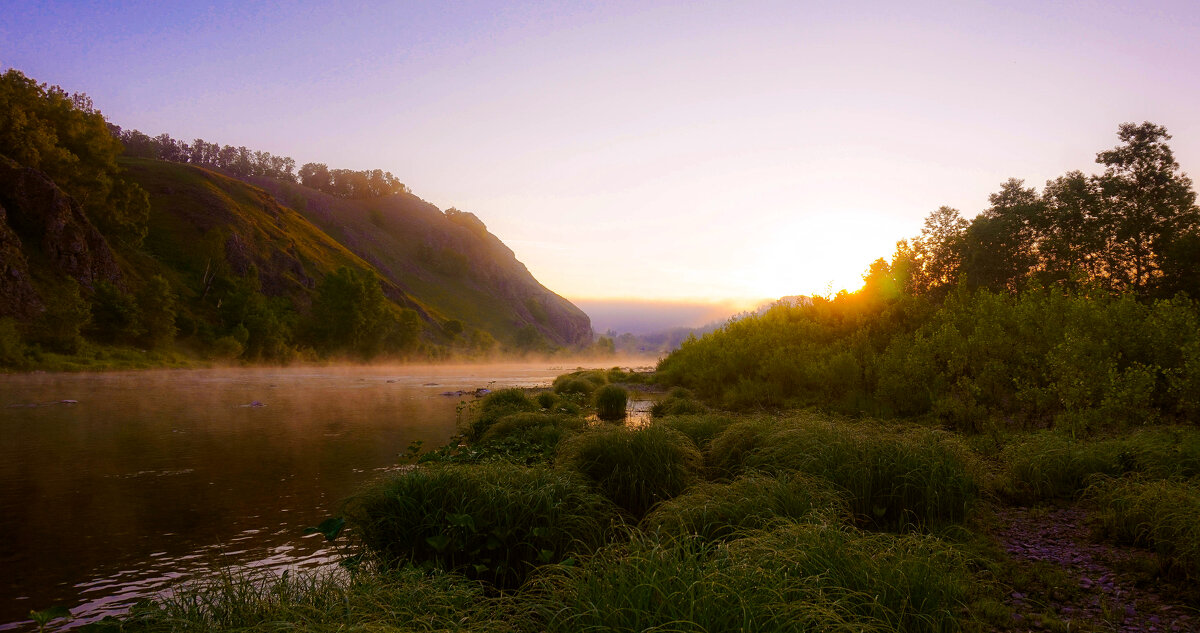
(448, 262)
(102, 249)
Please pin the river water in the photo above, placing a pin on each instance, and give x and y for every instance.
(115, 486)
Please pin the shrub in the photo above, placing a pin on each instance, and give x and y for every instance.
(1163, 515)
(610, 401)
(635, 468)
(794, 578)
(679, 401)
(526, 438)
(721, 511)
(492, 522)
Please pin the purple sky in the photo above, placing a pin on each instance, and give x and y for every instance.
(699, 150)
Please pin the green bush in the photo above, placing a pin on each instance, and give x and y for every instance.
(12, 344)
(679, 401)
(721, 511)
(635, 468)
(794, 578)
(728, 450)
(580, 382)
(610, 401)
(547, 400)
(1163, 515)
(526, 438)
(492, 522)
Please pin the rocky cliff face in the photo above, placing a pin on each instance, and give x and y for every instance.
(38, 220)
(45, 218)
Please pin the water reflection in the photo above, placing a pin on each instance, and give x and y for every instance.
(153, 477)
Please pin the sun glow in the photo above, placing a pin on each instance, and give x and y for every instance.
(821, 255)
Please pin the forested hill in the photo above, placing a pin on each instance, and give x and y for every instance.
(103, 251)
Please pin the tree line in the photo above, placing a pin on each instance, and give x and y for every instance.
(1072, 307)
(242, 161)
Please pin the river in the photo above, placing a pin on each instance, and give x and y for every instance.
(115, 486)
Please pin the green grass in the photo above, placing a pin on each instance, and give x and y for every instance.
(720, 511)
(796, 577)
(701, 429)
(896, 479)
(493, 522)
(635, 468)
(495, 406)
(402, 600)
(1053, 465)
(610, 401)
(1163, 515)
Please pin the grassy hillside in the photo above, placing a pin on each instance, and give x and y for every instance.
(449, 260)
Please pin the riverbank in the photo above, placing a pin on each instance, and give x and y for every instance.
(759, 522)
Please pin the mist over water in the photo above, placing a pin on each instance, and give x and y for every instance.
(114, 486)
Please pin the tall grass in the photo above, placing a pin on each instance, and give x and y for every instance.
(796, 577)
(635, 468)
(610, 401)
(895, 479)
(1054, 465)
(701, 429)
(496, 405)
(493, 522)
(1160, 514)
(402, 600)
(721, 511)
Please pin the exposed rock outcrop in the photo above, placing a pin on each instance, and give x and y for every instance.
(44, 217)
(17, 296)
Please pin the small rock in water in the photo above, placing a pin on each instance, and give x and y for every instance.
(255, 404)
(68, 402)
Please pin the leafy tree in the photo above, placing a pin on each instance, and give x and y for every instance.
(65, 137)
(1147, 203)
(999, 248)
(350, 313)
(936, 255)
(67, 313)
(157, 303)
(115, 315)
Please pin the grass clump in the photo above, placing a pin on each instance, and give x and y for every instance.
(580, 382)
(701, 429)
(796, 577)
(526, 438)
(402, 600)
(610, 401)
(492, 522)
(1054, 465)
(635, 468)
(895, 479)
(496, 405)
(721, 511)
(1163, 515)
(679, 401)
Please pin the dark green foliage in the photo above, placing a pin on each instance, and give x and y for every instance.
(157, 303)
(635, 468)
(493, 522)
(528, 437)
(115, 315)
(12, 344)
(722, 511)
(1163, 515)
(794, 578)
(67, 313)
(350, 314)
(547, 400)
(65, 137)
(610, 401)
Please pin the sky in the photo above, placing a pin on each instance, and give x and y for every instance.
(683, 151)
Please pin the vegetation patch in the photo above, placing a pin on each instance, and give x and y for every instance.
(796, 577)
(493, 522)
(714, 511)
(635, 468)
(1163, 515)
